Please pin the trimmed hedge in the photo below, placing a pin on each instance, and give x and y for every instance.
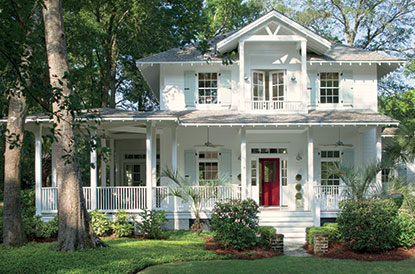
(266, 234)
(406, 236)
(331, 229)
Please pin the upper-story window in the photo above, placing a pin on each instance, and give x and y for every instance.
(208, 88)
(268, 85)
(329, 88)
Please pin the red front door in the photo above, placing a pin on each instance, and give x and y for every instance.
(270, 182)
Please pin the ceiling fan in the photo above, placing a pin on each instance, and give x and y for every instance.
(339, 143)
(208, 143)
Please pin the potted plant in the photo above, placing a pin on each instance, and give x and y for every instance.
(298, 196)
(299, 200)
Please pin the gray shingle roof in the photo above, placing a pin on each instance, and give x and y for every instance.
(338, 52)
(224, 117)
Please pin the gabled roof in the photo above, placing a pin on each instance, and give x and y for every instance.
(317, 43)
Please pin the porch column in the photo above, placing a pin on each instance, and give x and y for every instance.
(38, 170)
(379, 152)
(174, 149)
(103, 165)
(112, 171)
(241, 50)
(93, 176)
(304, 67)
(149, 163)
(54, 171)
(244, 186)
(310, 164)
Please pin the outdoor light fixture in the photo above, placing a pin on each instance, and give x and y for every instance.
(246, 77)
(293, 78)
(299, 158)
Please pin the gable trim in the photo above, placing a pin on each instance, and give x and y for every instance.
(320, 40)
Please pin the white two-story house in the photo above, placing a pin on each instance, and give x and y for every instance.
(289, 105)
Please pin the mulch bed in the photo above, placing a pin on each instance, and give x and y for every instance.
(341, 251)
(254, 253)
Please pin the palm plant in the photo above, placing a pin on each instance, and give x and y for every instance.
(190, 193)
(402, 147)
(360, 183)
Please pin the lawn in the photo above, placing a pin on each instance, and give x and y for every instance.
(285, 264)
(132, 255)
(123, 256)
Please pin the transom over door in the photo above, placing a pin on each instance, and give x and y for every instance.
(270, 182)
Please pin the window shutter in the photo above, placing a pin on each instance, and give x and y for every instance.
(317, 166)
(189, 88)
(312, 86)
(225, 87)
(348, 157)
(347, 88)
(225, 165)
(190, 161)
(402, 171)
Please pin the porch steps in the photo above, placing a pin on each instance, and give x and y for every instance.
(290, 223)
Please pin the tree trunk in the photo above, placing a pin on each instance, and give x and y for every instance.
(75, 232)
(13, 232)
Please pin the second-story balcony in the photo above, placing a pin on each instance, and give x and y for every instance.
(267, 105)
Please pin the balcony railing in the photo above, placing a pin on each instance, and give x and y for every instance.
(275, 105)
(134, 198)
(329, 196)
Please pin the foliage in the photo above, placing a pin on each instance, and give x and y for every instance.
(298, 177)
(121, 226)
(331, 229)
(400, 106)
(402, 147)
(235, 223)
(101, 225)
(406, 237)
(124, 256)
(151, 222)
(185, 190)
(267, 233)
(36, 228)
(369, 225)
(298, 196)
(298, 187)
(360, 183)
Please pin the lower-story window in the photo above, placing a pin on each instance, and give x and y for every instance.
(208, 166)
(329, 159)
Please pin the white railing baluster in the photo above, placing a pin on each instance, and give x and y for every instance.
(329, 196)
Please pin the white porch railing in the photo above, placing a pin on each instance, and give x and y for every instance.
(49, 200)
(134, 198)
(275, 105)
(129, 198)
(329, 196)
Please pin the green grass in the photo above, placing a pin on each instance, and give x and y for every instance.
(285, 264)
(123, 256)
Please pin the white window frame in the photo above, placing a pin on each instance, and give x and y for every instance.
(263, 86)
(271, 85)
(204, 88)
(340, 95)
(326, 160)
(207, 160)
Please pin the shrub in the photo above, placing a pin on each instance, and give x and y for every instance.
(330, 229)
(267, 233)
(235, 223)
(101, 225)
(120, 226)
(35, 228)
(369, 225)
(151, 222)
(298, 196)
(1, 224)
(298, 187)
(406, 237)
